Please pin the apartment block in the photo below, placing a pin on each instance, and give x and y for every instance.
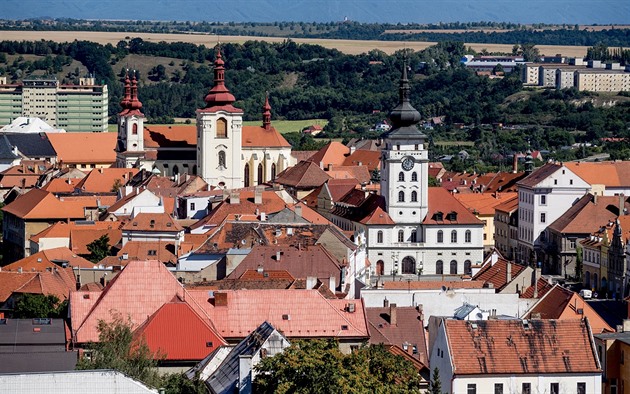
(82, 107)
(595, 80)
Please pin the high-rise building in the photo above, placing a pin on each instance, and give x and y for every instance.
(81, 107)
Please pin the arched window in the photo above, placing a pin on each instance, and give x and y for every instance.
(379, 237)
(273, 171)
(439, 267)
(401, 236)
(440, 236)
(222, 159)
(467, 267)
(468, 236)
(414, 196)
(414, 177)
(401, 196)
(261, 178)
(409, 265)
(401, 176)
(175, 170)
(221, 128)
(453, 236)
(134, 129)
(380, 268)
(414, 236)
(453, 270)
(246, 175)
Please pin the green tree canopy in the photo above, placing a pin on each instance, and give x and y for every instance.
(29, 306)
(319, 367)
(99, 248)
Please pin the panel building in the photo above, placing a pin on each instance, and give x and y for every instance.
(81, 107)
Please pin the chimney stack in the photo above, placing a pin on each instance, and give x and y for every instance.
(235, 197)
(392, 314)
(278, 254)
(258, 192)
(386, 304)
(332, 283)
(220, 299)
(508, 273)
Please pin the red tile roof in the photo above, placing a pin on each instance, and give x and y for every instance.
(609, 173)
(49, 259)
(177, 332)
(540, 174)
(103, 180)
(440, 200)
(360, 173)
(369, 158)
(483, 203)
(39, 204)
(304, 175)
(509, 347)
(94, 147)
(170, 136)
(378, 216)
(497, 273)
(542, 286)
(58, 282)
(510, 205)
(161, 251)
(332, 153)
(588, 213)
(152, 222)
(61, 185)
(257, 136)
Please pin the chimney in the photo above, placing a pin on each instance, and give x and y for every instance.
(298, 209)
(100, 170)
(622, 203)
(330, 166)
(537, 272)
(278, 254)
(260, 269)
(235, 197)
(321, 165)
(514, 164)
(595, 198)
(508, 273)
(220, 299)
(332, 283)
(392, 314)
(226, 194)
(258, 195)
(385, 302)
(311, 281)
(494, 258)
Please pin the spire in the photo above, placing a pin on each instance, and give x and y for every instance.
(134, 103)
(266, 113)
(124, 103)
(219, 94)
(404, 116)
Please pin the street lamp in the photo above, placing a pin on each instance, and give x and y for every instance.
(395, 271)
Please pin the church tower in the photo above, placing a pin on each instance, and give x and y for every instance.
(130, 143)
(219, 134)
(404, 174)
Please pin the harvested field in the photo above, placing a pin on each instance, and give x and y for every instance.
(352, 47)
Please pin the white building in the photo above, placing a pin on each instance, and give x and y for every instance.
(543, 197)
(513, 356)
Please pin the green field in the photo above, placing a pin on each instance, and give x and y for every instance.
(283, 126)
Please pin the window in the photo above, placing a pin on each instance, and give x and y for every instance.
(472, 388)
(273, 171)
(192, 206)
(467, 267)
(581, 388)
(221, 128)
(554, 388)
(453, 236)
(261, 178)
(379, 237)
(468, 236)
(222, 159)
(414, 196)
(526, 388)
(401, 236)
(414, 177)
(401, 176)
(543, 200)
(543, 217)
(401, 196)
(439, 267)
(414, 236)
(440, 236)
(246, 175)
(555, 182)
(453, 268)
(498, 388)
(572, 243)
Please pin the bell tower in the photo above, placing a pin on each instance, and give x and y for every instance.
(219, 134)
(404, 174)
(130, 142)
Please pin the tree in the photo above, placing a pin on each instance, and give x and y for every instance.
(118, 349)
(117, 185)
(319, 367)
(178, 383)
(99, 248)
(435, 386)
(30, 306)
(578, 263)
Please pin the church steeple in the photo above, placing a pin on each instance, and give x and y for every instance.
(134, 103)
(124, 103)
(219, 94)
(404, 116)
(266, 113)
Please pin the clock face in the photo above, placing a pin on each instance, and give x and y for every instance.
(407, 163)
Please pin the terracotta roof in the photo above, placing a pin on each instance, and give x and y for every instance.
(504, 182)
(563, 304)
(161, 251)
(308, 261)
(290, 311)
(512, 347)
(61, 185)
(542, 286)
(39, 204)
(170, 136)
(378, 216)
(11, 281)
(609, 173)
(26, 174)
(49, 259)
(337, 188)
(483, 203)
(266, 275)
(436, 169)
(80, 238)
(91, 287)
(55, 282)
(369, 158)
(152, 222)
(95, 147)
(497, 273)
(360, 173)
(441, 201)
(332, 153)
(433, 285)
(588, 213)
(539, 175)
(304, 175)
(510, 205)
(177, 332)
(407, 332)
(301, 155)
(257, 136)
(102, 180)
(65, 230)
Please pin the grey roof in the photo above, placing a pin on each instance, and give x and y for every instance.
(38, 361)
(463, 311)
(21, 332)
(6, 149)
(286, 216)
(404, 116)
(32, 144)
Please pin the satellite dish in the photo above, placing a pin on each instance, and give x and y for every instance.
(243, 242)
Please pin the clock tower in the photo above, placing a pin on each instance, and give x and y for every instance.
(404, 174)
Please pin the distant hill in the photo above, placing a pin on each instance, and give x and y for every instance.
(391, 11)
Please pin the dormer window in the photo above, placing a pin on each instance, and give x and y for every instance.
(452, 216)
(152, 223)
(438, 216)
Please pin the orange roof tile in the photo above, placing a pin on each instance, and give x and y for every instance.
(497, 273)
(440, 200)
(510, 205)
(483, 203)
(508, 347)
(39, 204)
(378, 216)
(257, 136)
(170, 136)
(609, 173)
(61, 185)
(369, 158)
(408, 330)
(304, 175)
(49, 259)
(103, 180)
(266, 275)
(161, 251)
(542, 286)
(11, 281)
(332, 153)
(95, 147)
(360, 173)
(152, 222)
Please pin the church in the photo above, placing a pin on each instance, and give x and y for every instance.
(219, 148)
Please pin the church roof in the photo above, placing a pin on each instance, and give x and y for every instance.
(258, 136)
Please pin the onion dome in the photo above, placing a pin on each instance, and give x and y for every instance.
(134, 103)
(124, 103)
(404, 115)
(219, 94)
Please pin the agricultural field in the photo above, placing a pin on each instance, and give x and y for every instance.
(351, 47)
(283, 126)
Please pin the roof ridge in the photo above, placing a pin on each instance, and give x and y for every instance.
(334, 307)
